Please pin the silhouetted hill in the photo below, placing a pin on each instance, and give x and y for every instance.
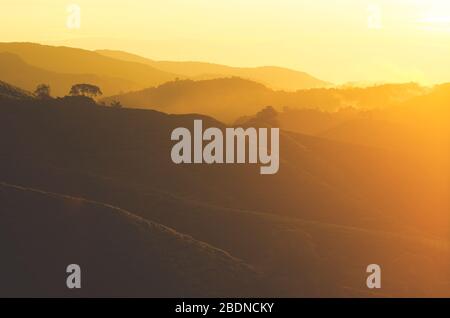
(417, 122)
(309, 230)
(230, 98)
(307, 121)
(224, 98)
(366, 130)
(68, 60)
(274, 77)
(120, 254)
(345, 125)
(430, 108)
(15, 71)
(10, 91)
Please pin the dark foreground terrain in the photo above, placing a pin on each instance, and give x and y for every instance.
(96, 186)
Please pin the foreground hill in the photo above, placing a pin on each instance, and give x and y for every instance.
(309, 230)
(273, 77)
(42, 233)
(316, 178)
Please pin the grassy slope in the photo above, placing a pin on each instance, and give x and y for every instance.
(310, 236)
(120, 253)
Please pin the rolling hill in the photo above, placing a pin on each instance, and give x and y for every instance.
(14, 70)
(277, 78)
(228, 99)
(309, 230)
(13, 92)
(120, 71)
(225, 98)
(120, 254)
(420, 122)
(68, 60)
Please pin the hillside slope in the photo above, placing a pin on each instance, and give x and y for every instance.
(224, 98)
(309, 230)
(120, 254)
(13, 92)
(316, 178)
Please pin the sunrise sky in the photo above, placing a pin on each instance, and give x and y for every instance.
(337, 41)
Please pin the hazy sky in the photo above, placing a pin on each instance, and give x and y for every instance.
(338, 41)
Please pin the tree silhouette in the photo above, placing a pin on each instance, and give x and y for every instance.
(42, 91)
(269, 116)
(85, 90)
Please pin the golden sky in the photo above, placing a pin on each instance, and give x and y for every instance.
(338, 41)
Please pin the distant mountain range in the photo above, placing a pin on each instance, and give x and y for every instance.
(78, 64)
(277, 78)
(223, 92)
(118, 72)
(15, 70)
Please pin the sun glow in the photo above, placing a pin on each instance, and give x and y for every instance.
(435, 16)
(339, 41)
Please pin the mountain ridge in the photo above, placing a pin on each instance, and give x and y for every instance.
(279, 78)
(15, 70)
(63, 59)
